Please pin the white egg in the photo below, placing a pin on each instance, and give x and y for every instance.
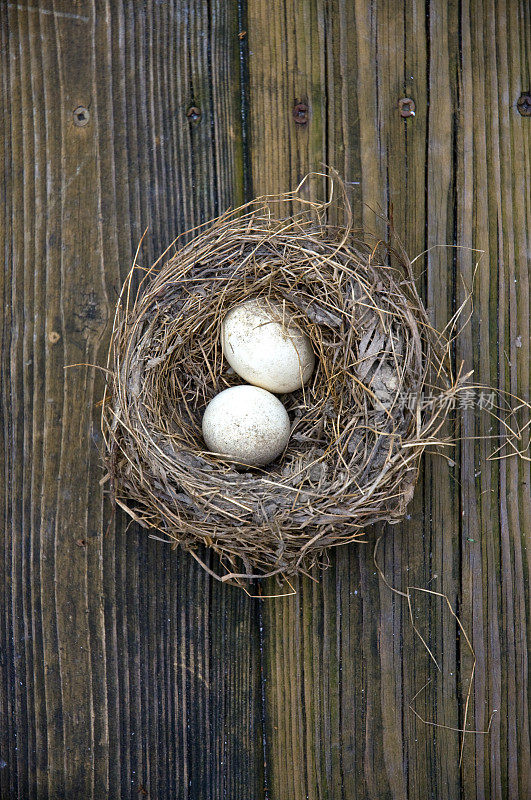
(264, 346)
(247, 424)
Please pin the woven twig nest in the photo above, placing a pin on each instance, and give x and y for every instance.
(358, 430)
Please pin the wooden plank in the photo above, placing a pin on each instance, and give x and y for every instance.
(114, 677)
(124, 668)
(342, 662)
(493, 154)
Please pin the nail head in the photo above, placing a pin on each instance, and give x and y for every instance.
(194, 114)
(523, 104)
(406, 106)
(300, 113)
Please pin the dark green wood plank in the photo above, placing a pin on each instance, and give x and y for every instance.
(124, 668)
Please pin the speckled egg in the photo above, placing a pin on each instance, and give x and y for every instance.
(247, 424)
(264, 346)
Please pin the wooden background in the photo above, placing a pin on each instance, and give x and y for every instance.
(125, 672)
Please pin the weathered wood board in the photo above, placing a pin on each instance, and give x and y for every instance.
(125, 671)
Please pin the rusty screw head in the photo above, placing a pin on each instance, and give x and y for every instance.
(523, 104)
(406, 106)
(300, 113)
(194, 114)
(81, 116)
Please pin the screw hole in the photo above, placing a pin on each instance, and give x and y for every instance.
(300, 113)
(81, 116)
(523, 104)
(194, 114)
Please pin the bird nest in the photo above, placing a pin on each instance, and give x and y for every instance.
(358, 428)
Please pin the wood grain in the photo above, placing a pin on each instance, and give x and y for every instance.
(124, 670)
(114, 678)
(494, 155)
(342, 661)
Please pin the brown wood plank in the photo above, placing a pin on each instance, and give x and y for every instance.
(123, 666)
(493, 153)
(341, 659)
(123, 669)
